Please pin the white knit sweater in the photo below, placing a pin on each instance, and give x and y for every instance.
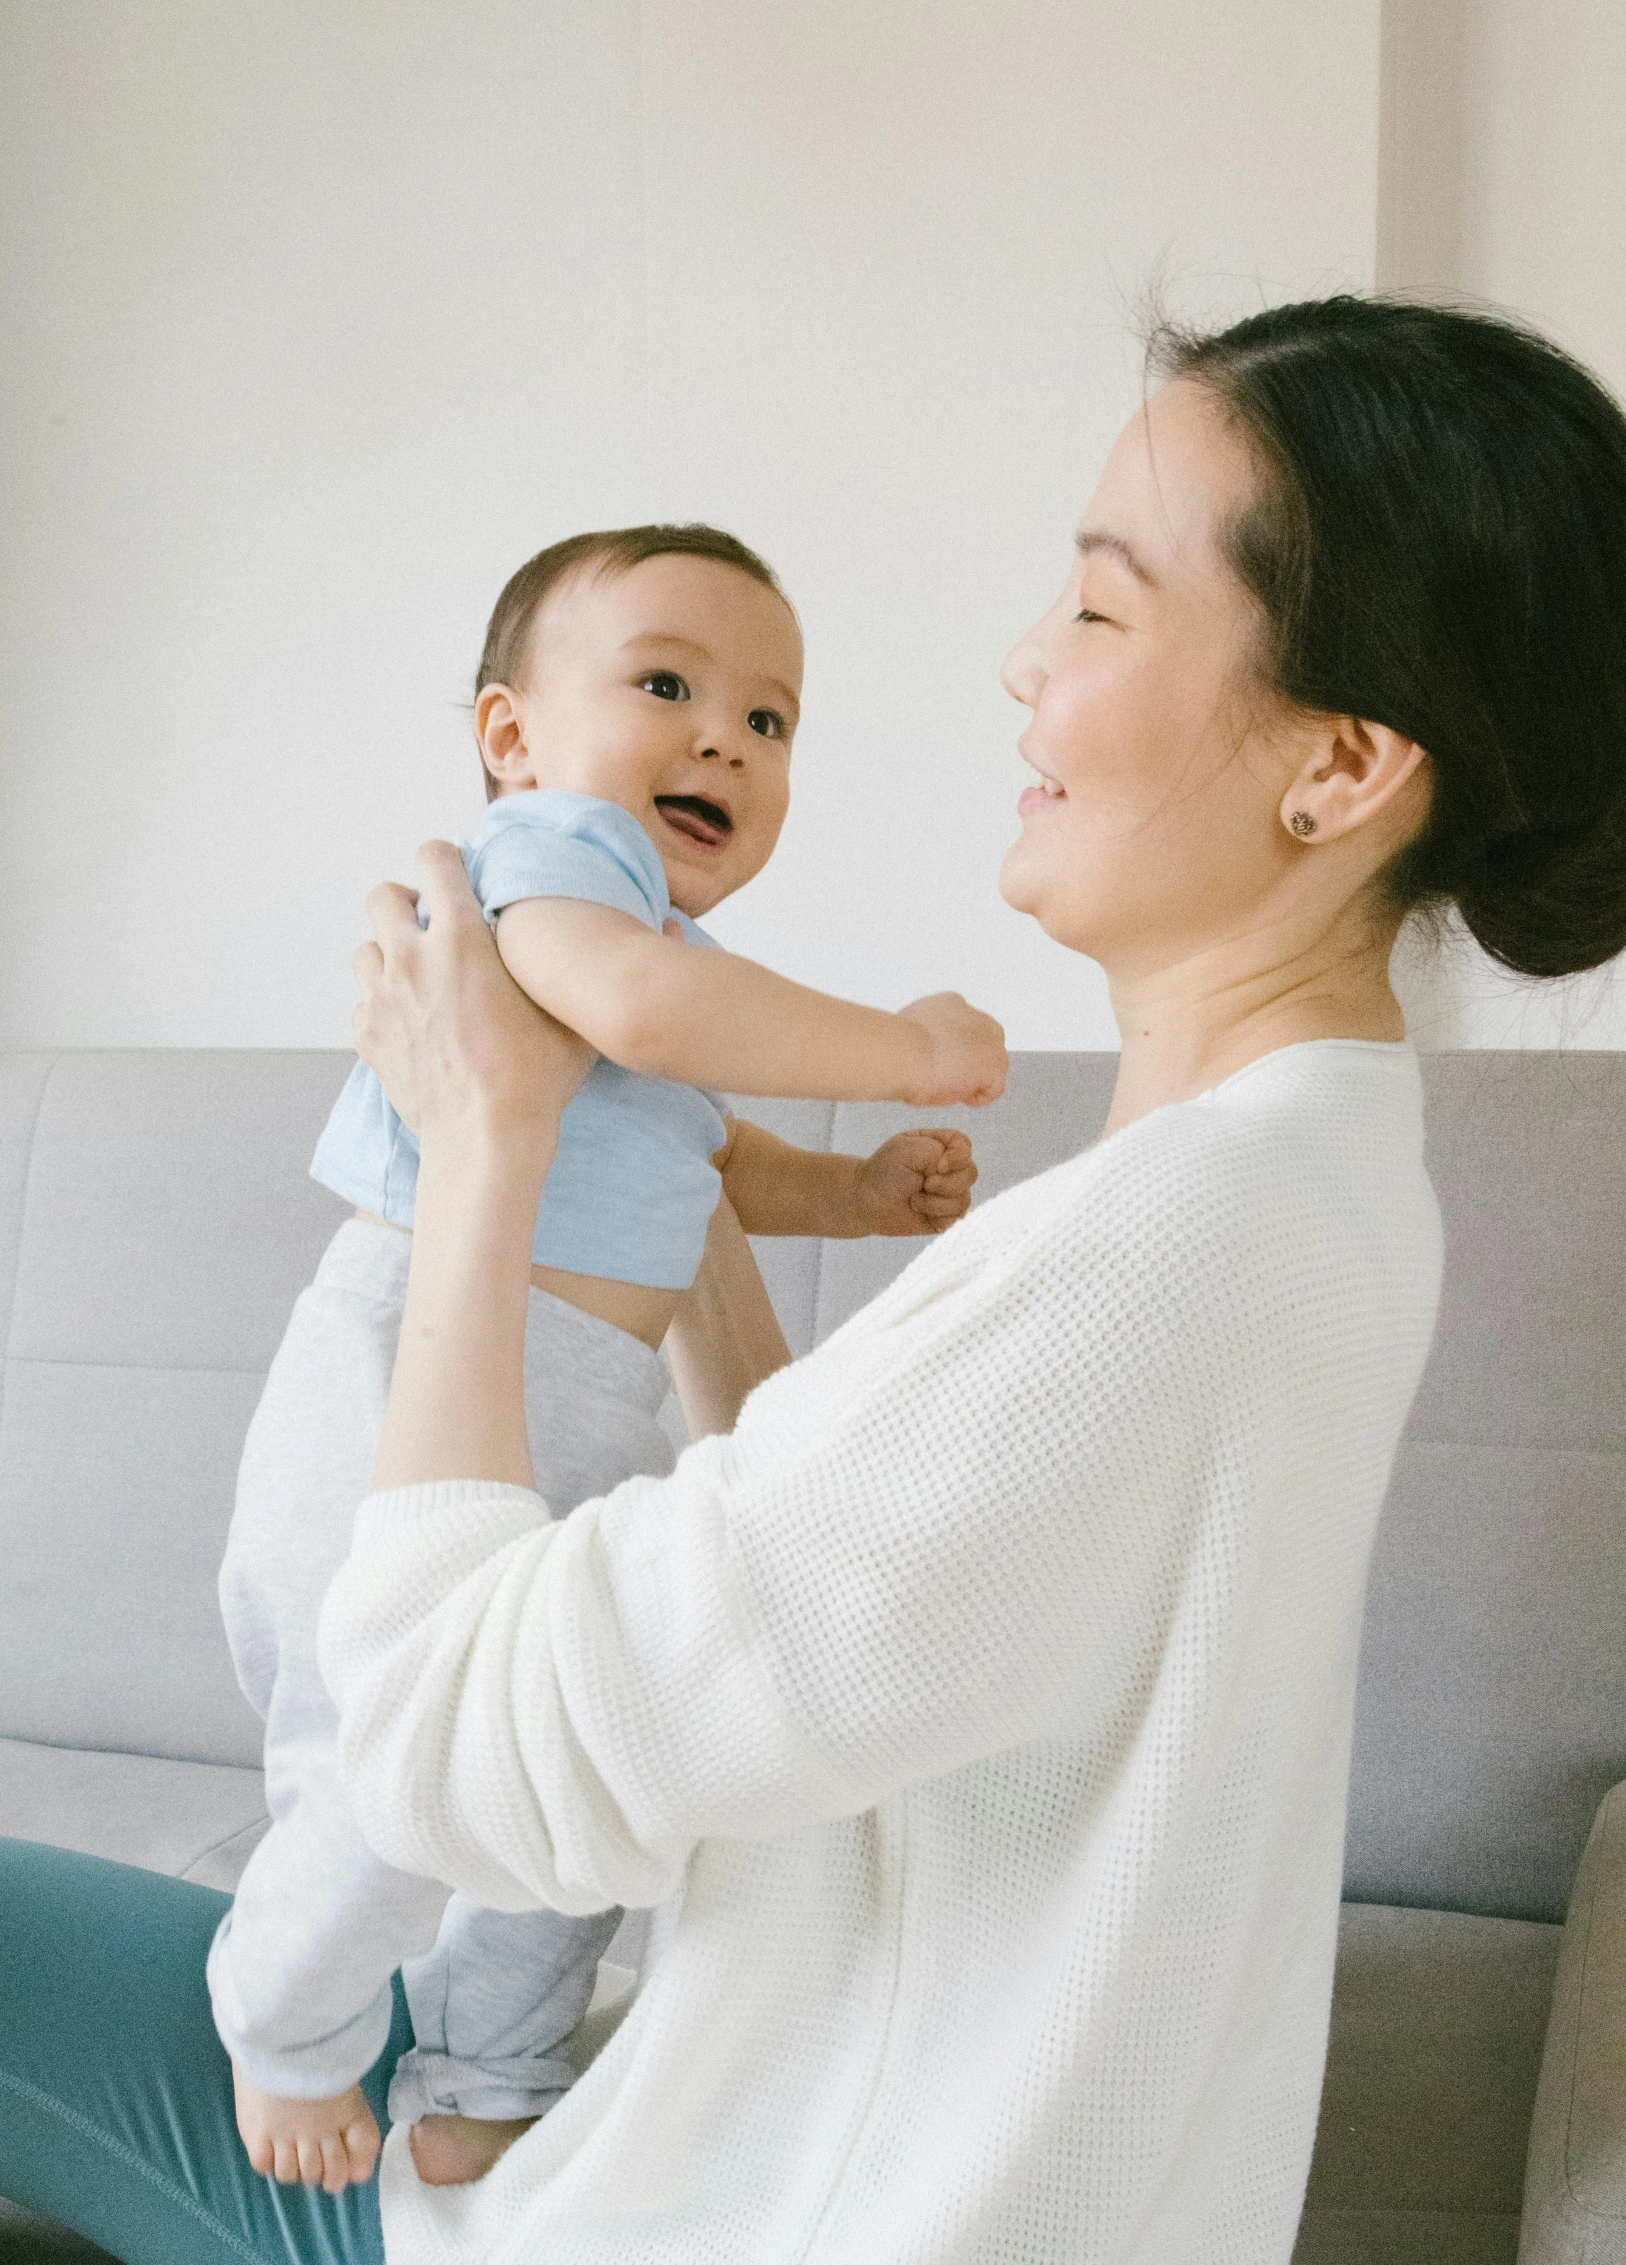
(979, 1711)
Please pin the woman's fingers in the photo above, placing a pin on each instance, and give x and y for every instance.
(440, 1019)
(367, 966)
(444, 889)
(392, 911)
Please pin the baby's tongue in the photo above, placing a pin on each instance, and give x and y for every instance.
(691, 822)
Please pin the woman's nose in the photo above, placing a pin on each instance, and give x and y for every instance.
(1022, 672)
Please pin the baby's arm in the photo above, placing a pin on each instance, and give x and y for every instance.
(653, 1003)
(916, 1183)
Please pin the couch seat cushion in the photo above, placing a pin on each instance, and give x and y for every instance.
(1438, 2022)
(198, 1820)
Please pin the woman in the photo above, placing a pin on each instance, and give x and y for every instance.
(978, 1709)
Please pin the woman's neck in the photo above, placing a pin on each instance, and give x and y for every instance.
(1189, 1026)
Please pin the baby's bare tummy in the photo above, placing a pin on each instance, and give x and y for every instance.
(640, 1311)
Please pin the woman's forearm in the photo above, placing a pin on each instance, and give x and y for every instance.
(725, 1338)
(457, 1400)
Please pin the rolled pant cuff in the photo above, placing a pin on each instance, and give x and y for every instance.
(434, 2084)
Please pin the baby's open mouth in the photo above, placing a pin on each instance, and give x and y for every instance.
(693, 816)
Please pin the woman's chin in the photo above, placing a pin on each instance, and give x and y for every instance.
(1028, 881)
(1060, 911)
(1014, 879)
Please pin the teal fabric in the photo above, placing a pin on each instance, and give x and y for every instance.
(115, 2093)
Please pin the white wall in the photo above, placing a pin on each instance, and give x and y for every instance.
(1503, 179)
(323, 314)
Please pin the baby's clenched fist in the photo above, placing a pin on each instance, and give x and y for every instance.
(965, 1057)
(916, 1183)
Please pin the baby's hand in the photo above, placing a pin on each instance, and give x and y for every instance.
(326, 2143)
(916, 1183)
(967, 1060)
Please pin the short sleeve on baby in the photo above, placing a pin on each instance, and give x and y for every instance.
(546, 843)
(633, 1186)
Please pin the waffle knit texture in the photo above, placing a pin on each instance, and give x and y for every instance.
(978, 1712)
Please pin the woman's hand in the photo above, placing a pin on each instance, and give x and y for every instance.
(482, 1076)
(452, 1037)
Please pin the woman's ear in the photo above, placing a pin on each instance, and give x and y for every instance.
(1355, 770)
(500, 730)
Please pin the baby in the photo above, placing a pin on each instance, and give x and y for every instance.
(636, 705)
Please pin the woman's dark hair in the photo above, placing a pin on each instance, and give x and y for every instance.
(614, 550)
(1439, 545)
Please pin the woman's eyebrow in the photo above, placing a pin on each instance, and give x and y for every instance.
(1091, 539)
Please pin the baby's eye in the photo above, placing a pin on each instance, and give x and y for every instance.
(664, 685)
(768, 722)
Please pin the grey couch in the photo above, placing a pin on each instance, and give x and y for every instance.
(156, 1223)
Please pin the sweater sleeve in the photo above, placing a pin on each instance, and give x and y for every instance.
(958, 1527)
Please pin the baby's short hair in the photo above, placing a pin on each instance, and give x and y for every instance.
(614, 550)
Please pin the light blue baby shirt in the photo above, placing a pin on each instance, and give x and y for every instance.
(632, 1186)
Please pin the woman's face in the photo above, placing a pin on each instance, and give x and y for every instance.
(1154, 829)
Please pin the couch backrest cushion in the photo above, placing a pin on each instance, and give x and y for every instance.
(1492, 1712)
(156, 1224)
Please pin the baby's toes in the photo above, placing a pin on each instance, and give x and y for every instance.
(312, 2169)
(336, 2168)
(361, 2148)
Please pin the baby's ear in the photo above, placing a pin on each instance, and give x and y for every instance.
(499, 729)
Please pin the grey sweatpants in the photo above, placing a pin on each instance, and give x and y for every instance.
(299, 1973)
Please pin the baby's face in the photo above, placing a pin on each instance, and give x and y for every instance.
(673, 690)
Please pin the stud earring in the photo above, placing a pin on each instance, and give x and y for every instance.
(1302, 824)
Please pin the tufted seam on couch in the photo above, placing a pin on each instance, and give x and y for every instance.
(134, 1753)
(820, 1244)
(1478, 1442)
(119, 1368)
(1614, 1804)
(253, 1833)
(54, 1064)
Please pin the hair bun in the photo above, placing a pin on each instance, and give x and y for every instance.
(1549, 900)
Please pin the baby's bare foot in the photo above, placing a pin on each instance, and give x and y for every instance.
(455, 2150)
(328, 2143)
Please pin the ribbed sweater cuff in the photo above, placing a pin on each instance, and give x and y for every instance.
(409, 1505)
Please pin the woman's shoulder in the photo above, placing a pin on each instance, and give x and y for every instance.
(1303, 1170)
(1301, 1156)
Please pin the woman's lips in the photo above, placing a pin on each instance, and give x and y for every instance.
(1033, 799)
(699, 820)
